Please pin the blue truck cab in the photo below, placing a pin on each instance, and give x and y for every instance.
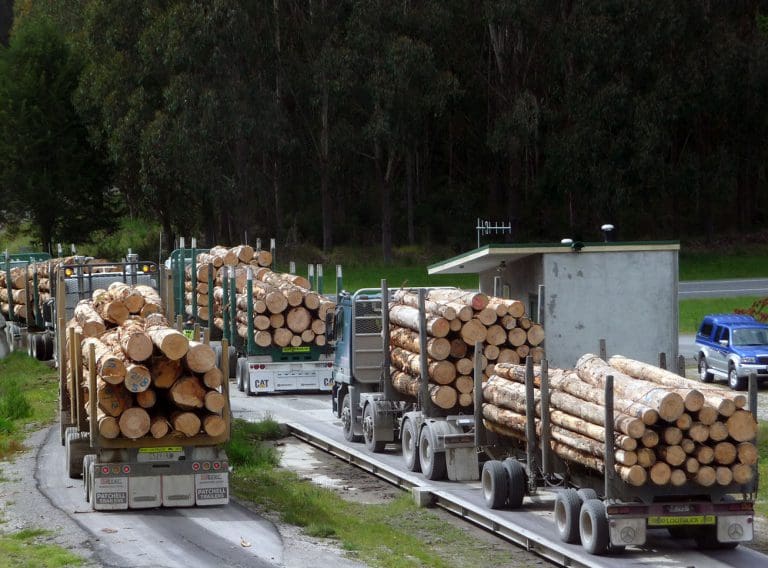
(733, 347)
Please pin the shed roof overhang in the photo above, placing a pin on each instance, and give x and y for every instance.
(489, 257)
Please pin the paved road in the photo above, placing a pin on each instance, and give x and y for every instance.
(723, 288)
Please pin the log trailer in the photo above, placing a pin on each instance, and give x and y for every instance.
(257, 369)
(29, 324)
(121, 473)
(601, 511)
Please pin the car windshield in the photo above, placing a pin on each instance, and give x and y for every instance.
(750, 336)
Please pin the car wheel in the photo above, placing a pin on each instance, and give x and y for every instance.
(704, 375)
(734, 380)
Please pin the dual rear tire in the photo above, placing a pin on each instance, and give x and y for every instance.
(504, 483)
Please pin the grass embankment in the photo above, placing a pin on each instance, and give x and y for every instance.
(394, 534)
(693, 311)
(746, 262)
(28, 395)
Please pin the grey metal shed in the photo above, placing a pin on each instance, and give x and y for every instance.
(623, 292)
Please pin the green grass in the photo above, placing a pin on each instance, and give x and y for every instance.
(692, 311)
(746, 262)
(395, 534)
(28, 399)
(28, 549)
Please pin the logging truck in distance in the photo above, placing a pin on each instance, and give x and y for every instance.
(239, 298)
(135, 441)
(605, 506)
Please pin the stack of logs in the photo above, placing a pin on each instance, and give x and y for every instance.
(150, 379)
(286, 312)
(455, 321)
(668, 430)
(22, 282)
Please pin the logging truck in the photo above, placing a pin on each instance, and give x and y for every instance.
(274, 322)
(144, 412)
(694, 474)
(26, 304)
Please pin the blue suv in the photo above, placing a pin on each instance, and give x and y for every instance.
(732, 346)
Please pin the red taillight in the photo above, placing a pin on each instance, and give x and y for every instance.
(126, 469)
(195, 466)
(329, 365)
(105, 470)
(216, 465)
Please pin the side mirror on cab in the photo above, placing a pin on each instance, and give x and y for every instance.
(723, 342)
(330, 327)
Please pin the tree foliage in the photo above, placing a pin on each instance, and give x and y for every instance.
(48, 169)
(363, 121)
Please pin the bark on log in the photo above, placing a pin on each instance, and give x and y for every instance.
(594, 370)
(443, 396)
(172, 343)
(441, 372)
(110, 366)
(408, 317)
(438, 348)
(444, 310)
(88, 319)
(476, 300)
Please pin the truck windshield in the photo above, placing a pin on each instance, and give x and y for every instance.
(750, 336)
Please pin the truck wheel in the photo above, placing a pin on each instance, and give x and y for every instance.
(369, 431)
(75, 447)
(432, 462)
(232, 362)
(586, 493)
(704, 375)
(517, 482)
(495, 484)
(567, 508)
(50, 346)
(87, 461)
(593, 527)
(410, 449)
(346, 420)
(734, 380)
(242, 374)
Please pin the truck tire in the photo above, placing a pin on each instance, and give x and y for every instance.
(50, 346)
(517, 482)
(704, 375)
(346, 420)
(369, 431)
(593, 527)
(567, 508)
(232, 362)
(734, 380)
(586, 493)
(495, 484)
(242, 374)
(432, 462)
(87, 461)
(75, 447)
(410, 448)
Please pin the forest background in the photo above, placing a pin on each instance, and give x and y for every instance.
(371, 122)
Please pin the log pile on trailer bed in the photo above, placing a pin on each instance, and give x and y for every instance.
(151, 381)
(286, 312)
(668, 431)
(455, 321)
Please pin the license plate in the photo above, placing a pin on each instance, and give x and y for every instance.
(171, 453)
(681, 521)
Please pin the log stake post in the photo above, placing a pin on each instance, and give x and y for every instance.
(752, 394)
(8, 283)
(225, 302)
(36, 299)
(530, 415)
(292, 267)
(603, 350)
(178, 262)
(78, 394)
(233, 337)
(211, 301)
(662, 360)
(94, 437)
(426, 402)
(311, 276)
(250, 348)
(320, 279)
(74, 411)
(340, 285)
(196, 332)
(387, 388)
(273, 252)
(193, 277)
(681, 365)
(481, 435)
(610, 456)
(545, 433)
